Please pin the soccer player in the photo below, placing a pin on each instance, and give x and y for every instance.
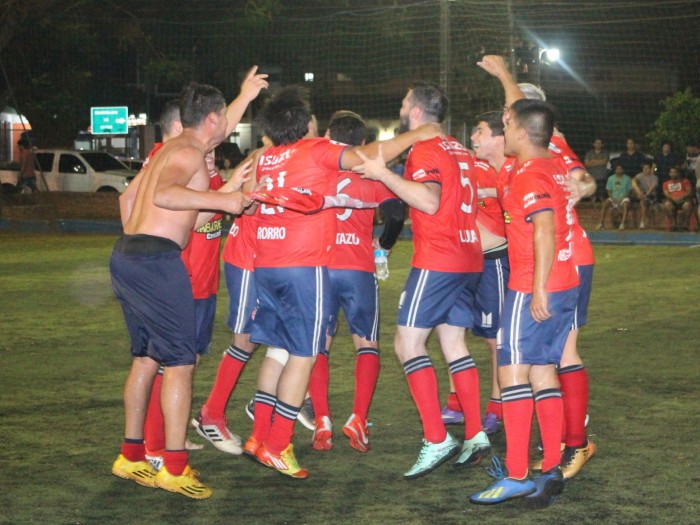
(354, 288)
(151, 282)
(201, 256)
(292, 254)
(573, 377)
(487, 141)
(439, 185)
(539, 306)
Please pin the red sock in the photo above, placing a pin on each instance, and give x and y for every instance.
(230, 369)
(465, 377)
(154, 426)
(175, 461)
(453, 402)
(550, 412)
(366, 374)
(494, 406)
(282, 428)
(422, 383)
(318, 386)
(264, 408)
(133, 449)
(573, 381)
(518, 406)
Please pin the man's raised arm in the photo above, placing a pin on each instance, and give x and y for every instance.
(496, 66)
(250, 88)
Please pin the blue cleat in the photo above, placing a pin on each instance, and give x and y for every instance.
(548, 486)
(504, 490)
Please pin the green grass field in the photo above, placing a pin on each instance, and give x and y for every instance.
(64, 356)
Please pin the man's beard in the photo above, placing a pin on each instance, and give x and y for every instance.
(403, 125)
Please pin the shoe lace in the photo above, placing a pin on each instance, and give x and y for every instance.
(497, 470)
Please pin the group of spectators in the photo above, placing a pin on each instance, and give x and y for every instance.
(666, 179)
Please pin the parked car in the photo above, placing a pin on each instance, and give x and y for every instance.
(66, 170)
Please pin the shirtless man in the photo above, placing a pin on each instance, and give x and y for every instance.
(152, 284)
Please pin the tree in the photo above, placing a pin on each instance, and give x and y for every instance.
(678, 123)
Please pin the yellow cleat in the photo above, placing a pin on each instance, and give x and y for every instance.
(284, 463)
(186, 483)
(139, 471)
(574, 459)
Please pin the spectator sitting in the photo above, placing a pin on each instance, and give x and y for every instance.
(619, 187)
(679, 199)
(596, 162)
(644, 186)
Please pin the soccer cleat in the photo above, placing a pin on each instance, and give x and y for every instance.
(356, 429)
(250, 409)
(323, 434)
(306, 414)
(574, 458)
(284, 463)
(504, 490)
(431, 456)
(548, 486)
(451, 417)
(186, 483)
(155, 459)
(474, 450)
(490, 423)
(216, 432)
(251, 447)
(139, 471)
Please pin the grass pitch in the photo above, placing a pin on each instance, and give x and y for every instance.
(64, 356)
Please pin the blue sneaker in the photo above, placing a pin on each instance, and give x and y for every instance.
(431, 456)
(504, 490)
(451, 417)
(548, 486)
(474, 450)
(490, 423)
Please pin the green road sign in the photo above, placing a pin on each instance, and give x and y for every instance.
(109, 121)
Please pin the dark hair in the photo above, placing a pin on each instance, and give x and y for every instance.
(197, 101)
(495, 121)
(285, 118)
(647, 162)
(169, 115)
(431, 98)
(347, 127)
(537, 118)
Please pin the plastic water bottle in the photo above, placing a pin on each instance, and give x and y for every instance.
(381, 264)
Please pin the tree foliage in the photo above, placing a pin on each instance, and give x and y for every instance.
(678, 123)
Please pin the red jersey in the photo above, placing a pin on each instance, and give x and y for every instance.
(559, 148)
(490, 213)
(503, 178)
(449, 240)
(286, 238)
(201, 255)
(239, 249)
(581, 245)
(355, 228)
(678, 188)
(534, 187)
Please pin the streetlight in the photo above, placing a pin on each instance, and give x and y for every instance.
(550, 54)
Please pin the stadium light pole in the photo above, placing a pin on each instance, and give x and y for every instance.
(445, 54)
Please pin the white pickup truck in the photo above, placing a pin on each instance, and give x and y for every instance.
(66, 170)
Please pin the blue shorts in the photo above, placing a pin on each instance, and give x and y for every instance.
(355, 292)
(585, 278)
(522, 341)
(432, 298)
(204, 313)
(243, 298)
(293, 309)
(153, 287)
(490, 296)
